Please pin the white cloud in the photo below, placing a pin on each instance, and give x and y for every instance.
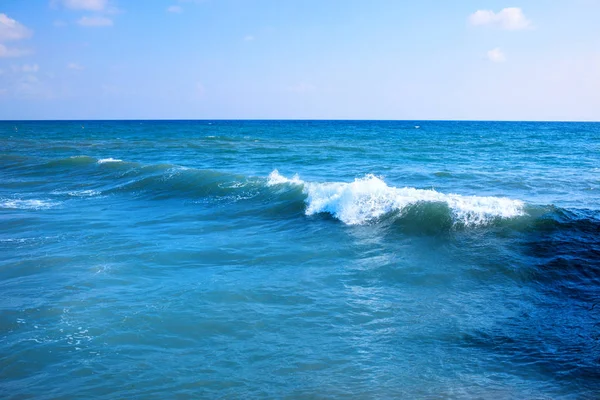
(26, 68)
(94, 21)
(174, 9)
(30, 68)
(12, 30)
(75, 66)
(496, 55)
(89, 5)
(248, 38)
(31, 87)
(6, 52)
(511, 19)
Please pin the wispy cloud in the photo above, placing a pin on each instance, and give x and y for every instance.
(174, 9)
(25, 68)
(496, 55)
(75, 66)
(511, 19)
(31, 87)
(26, 82)
(249, 38)
(12, 30)
(87, 5)
(30, 68)
(100, 8)
(95, 21)
(6, 52)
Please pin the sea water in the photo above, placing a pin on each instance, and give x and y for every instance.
(299, 259)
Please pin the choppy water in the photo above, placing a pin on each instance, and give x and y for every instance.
(320, 259)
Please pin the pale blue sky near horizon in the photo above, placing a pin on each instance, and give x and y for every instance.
(311, 59)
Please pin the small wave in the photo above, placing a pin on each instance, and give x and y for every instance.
(71, 161)
(108, 160)
(369, 198)
(84, 193)
(77, 193)
(167, 181)
(28, 239)
(26, 204)
(15, 240)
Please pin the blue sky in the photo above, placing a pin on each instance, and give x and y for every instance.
(125, 59)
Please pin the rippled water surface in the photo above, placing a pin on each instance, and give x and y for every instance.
(299, 259)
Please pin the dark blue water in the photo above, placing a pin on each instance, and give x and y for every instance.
(299, 259)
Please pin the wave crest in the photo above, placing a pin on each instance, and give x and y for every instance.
(109, 160)
(32, 204)
(369, 198)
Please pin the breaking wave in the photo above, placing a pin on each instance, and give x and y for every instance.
(369, 198)
(108, 160)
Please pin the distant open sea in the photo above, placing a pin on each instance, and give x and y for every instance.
(299, 259)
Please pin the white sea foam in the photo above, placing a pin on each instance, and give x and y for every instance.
(370, 197)
(77, 193)
(15, 240)
(276, 179)
(108, 160)
(84, 193)
(26, 204)
(27, 239)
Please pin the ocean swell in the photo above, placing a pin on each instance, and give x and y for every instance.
(365, 200)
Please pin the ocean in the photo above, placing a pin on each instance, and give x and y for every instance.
(299, 259)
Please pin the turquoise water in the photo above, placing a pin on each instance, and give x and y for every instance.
(299, 259)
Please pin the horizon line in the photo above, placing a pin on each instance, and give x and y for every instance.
(289, 120)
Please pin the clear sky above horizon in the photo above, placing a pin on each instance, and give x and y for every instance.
(310, 59)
